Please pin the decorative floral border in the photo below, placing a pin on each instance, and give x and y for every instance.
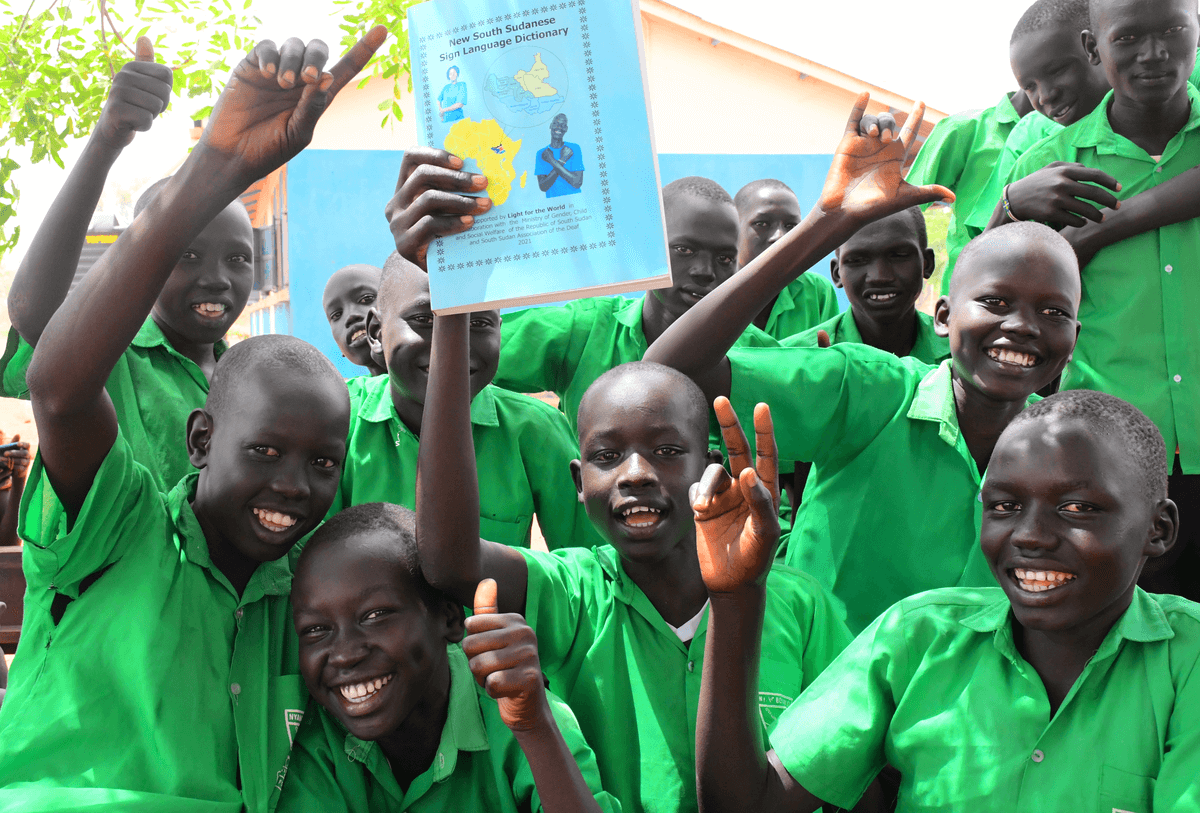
(601, 162)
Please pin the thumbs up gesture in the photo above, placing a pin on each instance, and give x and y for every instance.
(504, 659)
(140, 92)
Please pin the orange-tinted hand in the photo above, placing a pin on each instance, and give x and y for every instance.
(504, 659)
(737, 524)
(268, 110)
(822, 339)
(866, 180)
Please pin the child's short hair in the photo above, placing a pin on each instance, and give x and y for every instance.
(391, 278)
(1112, 417)
(1026, 231)
(1046, 13)
(374, 517)
(696, 187)
(698, 404)
(238, 363)
(744, 194)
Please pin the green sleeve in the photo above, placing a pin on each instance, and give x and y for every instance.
(827, 635)
(524, 789)
(1036, 157)
(1176, 787)
(120, 509)
(554, 599)
(831, 739)
(17, 355)
(547, 448)
(944, 155)
(826, 403)
(315, 779)
(539, 347)
(1028, 131)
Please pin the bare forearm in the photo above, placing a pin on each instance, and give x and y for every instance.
(1174, 201)
(560, 784)
(732, 769)
(45, 275)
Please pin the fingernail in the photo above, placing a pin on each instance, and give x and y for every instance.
(467, 220)
(289, 77)
(1118, 187)
(484, 204)
(310, 72)
(479, 181)
(271, 68)
(456, 162)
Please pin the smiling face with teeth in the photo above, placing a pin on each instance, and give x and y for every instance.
(1068, 524)
(348, 298)
(372, 644)
(883, 268)
(208, 289)
(1053, 70)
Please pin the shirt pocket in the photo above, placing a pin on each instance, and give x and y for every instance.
(1124, 792)
(514, 533)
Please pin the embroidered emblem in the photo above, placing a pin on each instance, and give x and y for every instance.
(292, 718)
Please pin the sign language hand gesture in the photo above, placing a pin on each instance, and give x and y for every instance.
(140, 91)
(737, 520)
(866, 180)
(267, 112)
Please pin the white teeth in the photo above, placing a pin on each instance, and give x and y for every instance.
(359, 692)
(274, 520)
(1012, 357)
(1039, 581)
(356, 335)
(881, 297)
(638, 509)
(210, 308)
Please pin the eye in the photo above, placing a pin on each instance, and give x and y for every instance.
(239, 258)
(333, 317)
(1077, 508)
(325, 463)
(481, 323)
(376, 614)
(421, 319)
(993, 301)
(683, 251)
(1055, 312)
(313, 631)
(668, 451)
(366, 299)
(266, 451)
(188, 254)
(1004, 507)
(605, 456)
(760, 224)
(1175, 29)
(725, 259)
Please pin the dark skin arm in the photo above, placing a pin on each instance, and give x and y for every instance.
(865, 183)
(1170, 202)
(504, 659)
(140, 92)
(1058, 194)
(17, 462)
(262, 119)
(453, 557)
(546, 181)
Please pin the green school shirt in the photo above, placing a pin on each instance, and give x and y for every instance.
(153, 388)
(960, 153)
(1031, 129)
(479, 765)
(807, 301)
(635, 687)
(564, 348)
(157, 688)
(928, 346)
(1141, 336)
(938, 689)
(523, 448)
(890, 507)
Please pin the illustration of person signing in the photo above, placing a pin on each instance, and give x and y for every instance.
(559, 166)
(453, 97)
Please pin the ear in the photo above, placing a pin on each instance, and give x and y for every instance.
(714, 456)
(198, 437)
(577, 476)
(1164, 531)
(835, 272)
(930, 263)
(455, 618)
(941, 317)
(1090, 47)
(375, 332)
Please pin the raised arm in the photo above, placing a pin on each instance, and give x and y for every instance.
(865, 183)
(453, 557)
(265, 115)
(140, 91)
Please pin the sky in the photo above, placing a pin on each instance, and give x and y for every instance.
(950, 53)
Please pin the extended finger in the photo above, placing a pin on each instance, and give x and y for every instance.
(414, 242)
(354, 60)
(764, 510)
(415, 157)
(856, 113)
(1089, 191)
(143, 50)
(430, 176)
(1079, 172)
(930, 193)
(823, 339)
(485, 597)
(266, 56)
(316, 54)
(911, 125)
(766, 461)
(731, 431)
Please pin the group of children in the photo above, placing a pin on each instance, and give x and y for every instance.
(914, 585)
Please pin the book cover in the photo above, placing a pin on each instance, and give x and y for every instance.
(548, 100)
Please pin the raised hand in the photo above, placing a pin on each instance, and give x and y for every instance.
(268, 110)
(140, 91)
(866, 180)
(737, 523)
(431, 201)
(504, 659)
(1061, 193)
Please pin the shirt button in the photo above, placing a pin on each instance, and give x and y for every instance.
(1038, 756)
(235, 688)
(691, 666)
(1178, 378)
(238, 612)
(1158, 169)
(1170, 269)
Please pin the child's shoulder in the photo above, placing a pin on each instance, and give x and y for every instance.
(1182, 615)
(948, 610)
(513, 410)
(370, 397)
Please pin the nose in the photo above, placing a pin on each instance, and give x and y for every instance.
(636, 473)
(776, 233)
(214, 277)
(349, 647)
(1047, 94)
(703, 268)
(1153, 49)
(1021, 322)
(879, 270)
(292, 483)
(1031, 535)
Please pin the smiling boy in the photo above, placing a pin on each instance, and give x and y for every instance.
(380, 653)
(620, 628)
(884, 432)
(158, 669)
(767, 210)
(523, 446)
(984, 699)
(348, 297)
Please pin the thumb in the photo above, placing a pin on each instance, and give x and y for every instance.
(823, 339)
(485, 598)
(931, 193)
(144, 50)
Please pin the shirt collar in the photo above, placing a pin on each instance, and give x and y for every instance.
(269, 578)
(934, 401)
(151, 335)
(627, 592)
(464, 729)
(376, 403)
(1005, 112)
(1095, 130)
(629, 314)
